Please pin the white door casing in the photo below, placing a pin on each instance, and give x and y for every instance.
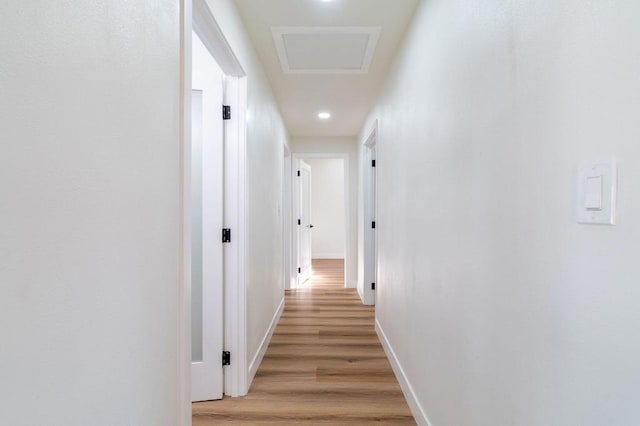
(305, 225)
(374, 234)
(286, 219)
(207, 222)
(368, 293)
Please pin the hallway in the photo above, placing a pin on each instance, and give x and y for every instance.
(324, 365)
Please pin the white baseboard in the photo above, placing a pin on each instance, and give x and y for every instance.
(257, 359)
(327, 256)
(352, 284)
(416, 408)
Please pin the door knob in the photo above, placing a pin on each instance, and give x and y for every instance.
(310, 226)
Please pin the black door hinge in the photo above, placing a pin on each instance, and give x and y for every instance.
(298, 173)
(373, 286)
(373, 163)
(226, 112)
(226, 358)
(226, 235)
(299, 222)
(299, 270)
(373, 225)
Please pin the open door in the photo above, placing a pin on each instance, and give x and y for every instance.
(206, 225)
(304, 222)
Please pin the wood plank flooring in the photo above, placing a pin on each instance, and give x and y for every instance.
(324, 365)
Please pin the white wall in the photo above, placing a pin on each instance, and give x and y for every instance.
(265, 136)
(327, 208)
(90, 212)
(501, 309)
(347, 146)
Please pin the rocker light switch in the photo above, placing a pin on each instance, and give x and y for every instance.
(593, 193)
(597, 193)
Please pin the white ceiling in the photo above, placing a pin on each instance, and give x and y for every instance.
(311, 81)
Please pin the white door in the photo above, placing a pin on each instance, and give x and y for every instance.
(304, 223)
(206, 219)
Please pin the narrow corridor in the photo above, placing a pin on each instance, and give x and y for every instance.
(324, 365)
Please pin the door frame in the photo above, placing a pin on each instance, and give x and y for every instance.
(287, 190)
(196, 16)
(370, 261)
(347, 209)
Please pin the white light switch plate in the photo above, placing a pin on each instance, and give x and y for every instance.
(597, 189)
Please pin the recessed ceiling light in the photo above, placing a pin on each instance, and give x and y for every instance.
(324, 116)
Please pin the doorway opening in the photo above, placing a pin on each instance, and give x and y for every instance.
(212, 295)
(328, 209)
(320, 212)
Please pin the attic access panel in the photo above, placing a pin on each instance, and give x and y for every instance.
(325, 50)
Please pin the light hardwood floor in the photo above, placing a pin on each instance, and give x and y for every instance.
(324, 365)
